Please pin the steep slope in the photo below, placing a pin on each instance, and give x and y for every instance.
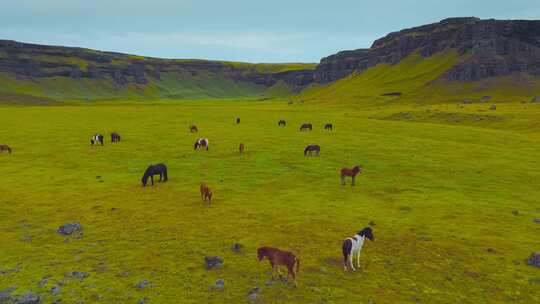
(455, 58)
(60, 73)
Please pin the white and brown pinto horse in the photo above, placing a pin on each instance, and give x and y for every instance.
(354, 245)
(201, 143)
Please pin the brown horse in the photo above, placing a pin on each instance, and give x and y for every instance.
(115, 137)
(241, 148)
(5, 148)
(279, 257)
(206, 193)
(350, 172)
(193, 129)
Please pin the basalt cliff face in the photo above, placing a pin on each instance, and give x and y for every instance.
(33, 62)
(490, 48)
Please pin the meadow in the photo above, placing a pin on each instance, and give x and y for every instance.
(451, 199)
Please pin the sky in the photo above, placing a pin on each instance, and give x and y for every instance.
(235, 30)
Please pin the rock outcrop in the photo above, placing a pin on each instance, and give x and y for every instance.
(493, 48)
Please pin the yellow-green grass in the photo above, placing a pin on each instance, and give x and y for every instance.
(440, 195)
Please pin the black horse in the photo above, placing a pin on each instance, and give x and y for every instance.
(237, 120)
(329, 127)
(115, 137)
(159, 169)
(306, 126)
(282, 123)
(98, 138)
(312, 148)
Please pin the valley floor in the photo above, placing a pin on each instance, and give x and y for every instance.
(452, 199)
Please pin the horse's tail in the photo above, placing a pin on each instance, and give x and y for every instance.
(9, 150)
(297, 264)
(306, 150)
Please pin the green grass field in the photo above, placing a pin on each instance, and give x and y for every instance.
(443, 194)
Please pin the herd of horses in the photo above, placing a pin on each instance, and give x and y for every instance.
(275, 256)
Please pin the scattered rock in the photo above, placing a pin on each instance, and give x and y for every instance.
(537, 220)
(254, 293)
(219, 285)
(213, 262)
(237, 248)
(493, 107)
(5, 294)
(143, 284)
(269, 283)
(491, 250)
(54, 290)
(534, 259)
(395, 94)
(535, 99)
(516, 212)
(143, 301)
(77, 275)
(70, 228)
(28, 298)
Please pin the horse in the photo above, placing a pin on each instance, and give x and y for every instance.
(237, 120)
(350, 172)
(282, 123)
(206, 193)
(115, 137)
(201, 142)
(159, 169)
(354, 245)
(5, 148)
(306, 126)
(329, 127)
(241, 148)
(193, 129)
(312, 148)
(278, 257)
(97, 138)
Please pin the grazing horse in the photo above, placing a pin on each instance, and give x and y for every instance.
(237, 120)
(306, 126)
(329, 127)
(115, 137)
(98, 138)
(5, 148)
(241, 148)
(312, 148)
(201, 142)
(193, 129)
(282, 123)
(354, 245)
(279, 257)
(159, 169)
(350, 172)
(206, 193)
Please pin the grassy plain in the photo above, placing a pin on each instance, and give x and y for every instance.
(441, 191)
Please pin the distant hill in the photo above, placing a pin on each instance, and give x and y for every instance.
(30, 72)
(457, 58)
(452, 59)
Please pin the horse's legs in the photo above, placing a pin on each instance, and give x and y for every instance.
(152, 179)
(160, 177)
(358, 259)
(350, 261)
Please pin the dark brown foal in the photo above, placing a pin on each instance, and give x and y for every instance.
(350, 172)
(279, 257)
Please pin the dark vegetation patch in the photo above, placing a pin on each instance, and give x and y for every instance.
(443, 117)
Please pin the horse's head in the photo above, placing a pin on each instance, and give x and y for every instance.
(144, 180)
(357, 169)
(367, 232)
(261, 253)
(196, 145)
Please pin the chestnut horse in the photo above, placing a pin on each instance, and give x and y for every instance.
(206, 193)
(350, 172)
(5, 148)
(241, 148)
(193, 129)
(279, 257)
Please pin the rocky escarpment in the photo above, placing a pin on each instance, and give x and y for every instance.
(32, 61)
(490, 48)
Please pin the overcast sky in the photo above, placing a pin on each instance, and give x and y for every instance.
(238, 30)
